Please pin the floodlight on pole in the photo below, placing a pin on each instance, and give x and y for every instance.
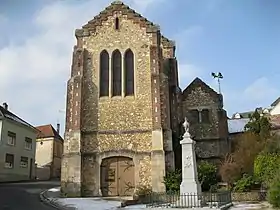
(218, 76)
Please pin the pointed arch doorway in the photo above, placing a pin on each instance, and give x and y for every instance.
(117, 176)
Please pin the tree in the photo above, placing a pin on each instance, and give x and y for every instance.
(248, 147)
(272, 146)
(207, 175)
(229, 170)
(259, 125)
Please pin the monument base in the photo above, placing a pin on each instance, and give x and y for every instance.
(190, 194)
(191, 186)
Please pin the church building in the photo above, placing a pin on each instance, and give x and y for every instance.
(123, 102)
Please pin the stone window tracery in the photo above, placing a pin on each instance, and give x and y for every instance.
(129, 72)
(104, 73)
(199, 116)
(117, 73)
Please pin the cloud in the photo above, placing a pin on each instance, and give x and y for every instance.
(187, 70)
(213, 5)
(256, 94)
(3, 20)
(187, 73)
(33, 75)
(187, 36)
(142, 5)
(260, 90)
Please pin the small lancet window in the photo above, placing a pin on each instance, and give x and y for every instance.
(117, 23)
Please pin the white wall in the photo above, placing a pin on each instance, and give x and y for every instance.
(44, 151)
(18, 150)
(275, 110)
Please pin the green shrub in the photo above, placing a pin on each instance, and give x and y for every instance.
(274, 192)
(143, 190)
(265, 166)
(244, 184)
(172, 180)
(207, 175)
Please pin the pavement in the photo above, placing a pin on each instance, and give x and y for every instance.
(45, 195)
(251, 206)
(24, 196)
(52, 197)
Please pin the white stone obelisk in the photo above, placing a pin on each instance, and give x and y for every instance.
(190, 184)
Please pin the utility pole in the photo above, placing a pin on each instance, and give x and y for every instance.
(218, 76)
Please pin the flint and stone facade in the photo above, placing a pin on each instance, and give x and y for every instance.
(114, 139)
(125, 108)
(208, 121)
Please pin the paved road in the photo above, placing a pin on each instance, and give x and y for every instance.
(24, 196)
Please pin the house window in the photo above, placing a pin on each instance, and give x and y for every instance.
(9, 161)
(205, 117)
(117, 24)
(117, 73)
(129, 72)
(11, 138)
(24, 162)
(28, 143)
(104, 74)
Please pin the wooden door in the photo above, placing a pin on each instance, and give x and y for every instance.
(126, 176)
(117, 176)
(109, 183)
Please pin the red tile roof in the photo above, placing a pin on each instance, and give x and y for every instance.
(46, 131)
(275, 121)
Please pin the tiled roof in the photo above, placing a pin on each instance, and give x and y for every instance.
(237, 125)
(275, 121)
(47, 131)
(11, 116)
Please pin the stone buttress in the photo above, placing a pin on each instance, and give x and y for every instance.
(137, 126)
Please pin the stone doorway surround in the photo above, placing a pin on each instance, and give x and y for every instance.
(117, 176)
(135, 158)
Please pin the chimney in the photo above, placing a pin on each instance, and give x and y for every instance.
(58, 128)
(5, 105)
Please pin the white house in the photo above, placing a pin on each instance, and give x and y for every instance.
(17, 147)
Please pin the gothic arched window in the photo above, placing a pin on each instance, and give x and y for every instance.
(117, 73)
(129, 72)
(104, 73)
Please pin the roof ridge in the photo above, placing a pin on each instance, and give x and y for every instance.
(13, 115)
(97, 20)
(45, 133)
(198, 80)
